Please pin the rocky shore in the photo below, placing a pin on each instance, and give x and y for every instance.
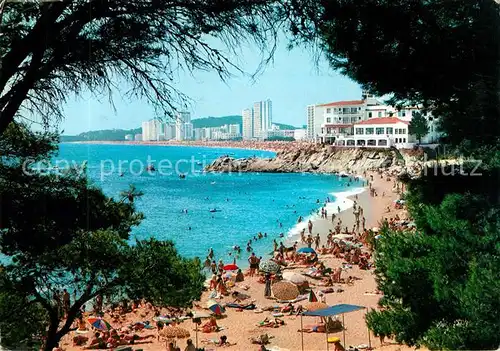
(314, 158)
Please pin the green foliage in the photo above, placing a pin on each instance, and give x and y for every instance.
(61, 232)
(180, 283)
(101, 135)
(211, 122)
(418, 126)
(440, 285)
(20, 318)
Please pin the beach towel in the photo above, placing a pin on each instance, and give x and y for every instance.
(299, 298)
(243, 307)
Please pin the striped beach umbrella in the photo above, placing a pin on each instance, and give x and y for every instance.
(99, 323)
(312, 297)
(215, 307)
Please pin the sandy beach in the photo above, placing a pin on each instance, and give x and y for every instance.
(241, 325)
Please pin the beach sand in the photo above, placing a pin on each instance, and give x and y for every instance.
(239, 326)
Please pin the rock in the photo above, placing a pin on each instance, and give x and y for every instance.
(321, 159)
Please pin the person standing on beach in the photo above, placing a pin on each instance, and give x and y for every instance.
(253, 260)
(310, 226)
(317, 241)
(326, 214)
(309, 241)
(333, 217)
(338, 209)
(267, 290)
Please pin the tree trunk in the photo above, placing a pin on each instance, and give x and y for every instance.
(52, 339)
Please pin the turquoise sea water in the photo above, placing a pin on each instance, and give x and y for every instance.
(246, 203)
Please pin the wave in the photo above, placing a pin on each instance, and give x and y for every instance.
(341, 201)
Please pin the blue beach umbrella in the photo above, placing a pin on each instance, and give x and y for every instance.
(306, 250)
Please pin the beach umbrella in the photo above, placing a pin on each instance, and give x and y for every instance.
(294, 277)
(215, 307)
(99, 323)
(314, 306)
(342, 236)
(174, 332)
(269, 267)
(312, 297)
(306, 250)
(230, 267)
(285, 290)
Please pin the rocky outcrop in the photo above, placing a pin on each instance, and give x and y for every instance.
(319, 159)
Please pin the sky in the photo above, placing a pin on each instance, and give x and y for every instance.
(292, 81)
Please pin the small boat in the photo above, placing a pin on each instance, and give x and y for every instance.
(182, 176)
(215, 210)
(212, 183)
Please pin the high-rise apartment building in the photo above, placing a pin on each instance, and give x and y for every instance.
(267, 114)
(247, 116)
(151, 130)
(183, 126)
(257, 119)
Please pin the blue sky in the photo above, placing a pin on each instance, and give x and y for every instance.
(292, 82)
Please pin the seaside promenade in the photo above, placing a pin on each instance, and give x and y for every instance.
(240, 326)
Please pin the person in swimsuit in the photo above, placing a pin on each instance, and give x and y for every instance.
(254, 263)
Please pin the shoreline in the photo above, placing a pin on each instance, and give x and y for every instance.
(270, 146)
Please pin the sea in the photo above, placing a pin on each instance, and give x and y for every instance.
(181, 208)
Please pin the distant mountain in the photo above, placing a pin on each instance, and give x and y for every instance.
(285, 126)
(209, 122)
(101, 135)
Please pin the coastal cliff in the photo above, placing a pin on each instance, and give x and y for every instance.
(320, 159)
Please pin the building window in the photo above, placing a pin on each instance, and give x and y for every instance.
(382, 142)
(328, 120)
(354, 110)
(340, 119)
(328, 110)
(396, 131)
(401, 114)
(359, 118)
(372, 142)
(369, 115)
(389, 130)
(359, 131)
(379, 131)
(369, 130)
(380, 114)
(404, 140)
(346, 110)
(403, 131)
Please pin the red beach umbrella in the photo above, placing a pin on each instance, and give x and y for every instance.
(231, 267)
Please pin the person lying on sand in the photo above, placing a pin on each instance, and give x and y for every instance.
(314, 328)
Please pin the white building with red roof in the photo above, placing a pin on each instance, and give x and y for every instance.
(378, 132)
